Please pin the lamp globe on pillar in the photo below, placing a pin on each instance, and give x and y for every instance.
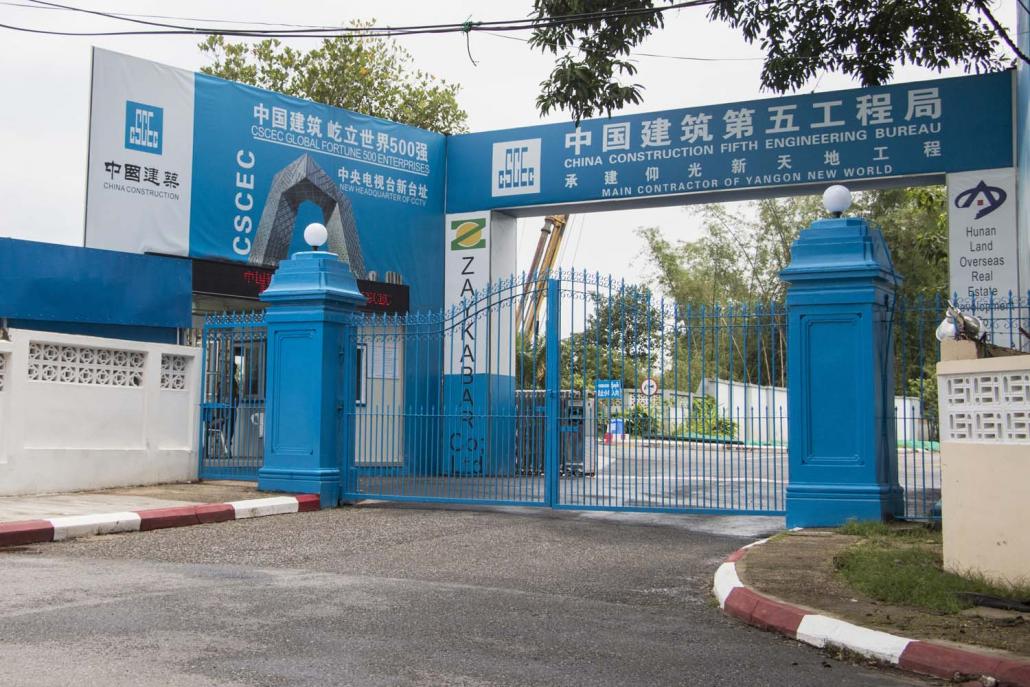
(836, 200)
(315, 235)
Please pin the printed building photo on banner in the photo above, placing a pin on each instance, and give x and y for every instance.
(186, 164)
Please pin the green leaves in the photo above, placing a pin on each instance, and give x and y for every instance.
(864, 39)
(739, 256)
(801, 39)
(372, 76)
(592, 55)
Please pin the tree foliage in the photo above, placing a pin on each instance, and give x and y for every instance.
(370, 75)
(740, 254)
(863, 39)
(732, 271)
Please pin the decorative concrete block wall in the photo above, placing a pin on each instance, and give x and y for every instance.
(985, 462)
(81, 412)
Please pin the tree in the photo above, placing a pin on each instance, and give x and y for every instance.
(739, 256)
(801, 39)
(729, 295)
(370, 75)
(624, 337)
(626, 320)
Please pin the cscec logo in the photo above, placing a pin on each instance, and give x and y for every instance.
(144, 127)
(987, 199)
(516, 168)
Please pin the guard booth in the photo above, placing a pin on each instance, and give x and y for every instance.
(577, 425)
(232, 410)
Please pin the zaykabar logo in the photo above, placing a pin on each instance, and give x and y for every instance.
(987, 198)
(516, 167)
(468, 234)
(144, 127)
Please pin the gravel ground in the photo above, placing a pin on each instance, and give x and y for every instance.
(397, 596)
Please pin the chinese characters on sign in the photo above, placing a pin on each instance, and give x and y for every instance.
(145, 180)
(369, 152)
(926, 128)
(311, 132)
(378, 185)
(705, 139)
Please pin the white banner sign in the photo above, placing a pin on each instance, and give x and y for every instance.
(983, 243)
(140, 156)
(466, 275)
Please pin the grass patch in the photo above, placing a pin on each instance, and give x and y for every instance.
(903, 565)
(865, 528)
(929, 533)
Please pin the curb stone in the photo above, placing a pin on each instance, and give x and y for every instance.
(71, 526)
(928, 658)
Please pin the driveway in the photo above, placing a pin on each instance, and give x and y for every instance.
(380, 595)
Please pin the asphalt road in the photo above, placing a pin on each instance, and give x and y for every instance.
(397, 596)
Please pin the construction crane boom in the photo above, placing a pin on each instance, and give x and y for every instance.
(544, 258)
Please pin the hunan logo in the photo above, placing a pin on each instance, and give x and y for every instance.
(468, 234)
(986, 198)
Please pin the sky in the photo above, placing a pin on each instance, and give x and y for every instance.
(45, 104)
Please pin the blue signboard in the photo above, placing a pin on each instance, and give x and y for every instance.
(608, 388)
(914, 129)
(262, 159)
(187, 164)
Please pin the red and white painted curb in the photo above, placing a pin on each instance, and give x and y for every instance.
(821, 631)
(71, 526)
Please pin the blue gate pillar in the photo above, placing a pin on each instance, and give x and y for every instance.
(306, 438)
(840, 375)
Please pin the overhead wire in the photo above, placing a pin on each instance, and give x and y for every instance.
(688, 58)
(466, 27)
(1001, 30)
(255, 22)
(531, 23)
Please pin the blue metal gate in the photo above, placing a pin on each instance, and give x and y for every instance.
(232, 407)
(448, 406)
(699, 424)
(916, 354)
(606, 398)
(703, 405)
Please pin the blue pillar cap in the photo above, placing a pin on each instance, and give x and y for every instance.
(840, 249)
(313, 277)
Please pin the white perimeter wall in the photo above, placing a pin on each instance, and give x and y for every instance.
(81, 412)
(761, 411)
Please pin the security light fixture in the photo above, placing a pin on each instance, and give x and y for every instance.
(315, 235)
(836, 200)
(946, 329)
(958, 325)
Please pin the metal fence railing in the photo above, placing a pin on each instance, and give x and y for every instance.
(701, 423)
(916, 354)
(232, 407)
(457, 405)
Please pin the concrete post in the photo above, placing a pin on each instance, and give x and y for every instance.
(306, 439)
(840, 375)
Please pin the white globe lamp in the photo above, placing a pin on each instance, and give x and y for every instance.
(836, 200)
(315, 235)
(946, 329)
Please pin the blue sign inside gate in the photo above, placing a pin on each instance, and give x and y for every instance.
(922, 128)
(608, 388)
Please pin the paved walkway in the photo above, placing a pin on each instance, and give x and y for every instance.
(389, 595)
(13, 508)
